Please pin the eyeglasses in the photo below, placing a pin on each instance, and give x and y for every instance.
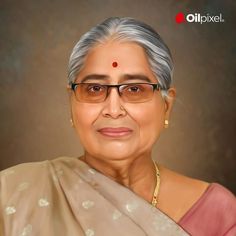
(132, 92)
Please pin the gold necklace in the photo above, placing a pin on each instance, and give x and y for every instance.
(156, 190)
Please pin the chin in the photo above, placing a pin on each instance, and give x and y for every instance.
(113, 152)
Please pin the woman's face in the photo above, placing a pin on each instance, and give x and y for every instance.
(140, 123)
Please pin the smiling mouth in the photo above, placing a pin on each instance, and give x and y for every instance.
(115, 132)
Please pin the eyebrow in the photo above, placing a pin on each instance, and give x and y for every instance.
(94, 77)
(123, 78)
(136, 77)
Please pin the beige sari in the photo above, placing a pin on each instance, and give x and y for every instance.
(65, 196)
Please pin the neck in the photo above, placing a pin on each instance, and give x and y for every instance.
(137, 174)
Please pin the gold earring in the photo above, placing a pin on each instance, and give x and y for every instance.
(71, 122)
(166, 123)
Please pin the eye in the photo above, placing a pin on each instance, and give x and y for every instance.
(134, 88)
(95, 88)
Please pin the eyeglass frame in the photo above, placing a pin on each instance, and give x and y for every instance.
(72, 86)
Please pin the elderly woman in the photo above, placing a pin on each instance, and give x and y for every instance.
(121, 97)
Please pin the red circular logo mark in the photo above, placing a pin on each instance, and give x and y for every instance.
(180, 18)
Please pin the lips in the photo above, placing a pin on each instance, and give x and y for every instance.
(115, 132)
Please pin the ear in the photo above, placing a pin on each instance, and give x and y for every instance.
(69, 91)
(169, 101)
(68, 88)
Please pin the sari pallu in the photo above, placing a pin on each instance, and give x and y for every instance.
(66, 197)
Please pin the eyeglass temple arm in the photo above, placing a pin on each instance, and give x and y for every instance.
(71, 86)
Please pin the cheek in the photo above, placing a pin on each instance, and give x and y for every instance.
(150, 119)
(83, 116)
(148, 115)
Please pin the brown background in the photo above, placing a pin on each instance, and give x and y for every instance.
(36, 38)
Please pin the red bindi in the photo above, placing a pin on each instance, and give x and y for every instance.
(114, 64)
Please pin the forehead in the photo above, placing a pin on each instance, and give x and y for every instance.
(130, 58)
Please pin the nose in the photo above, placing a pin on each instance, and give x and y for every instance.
(113, 105)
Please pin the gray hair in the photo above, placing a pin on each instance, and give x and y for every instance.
(128, 30)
